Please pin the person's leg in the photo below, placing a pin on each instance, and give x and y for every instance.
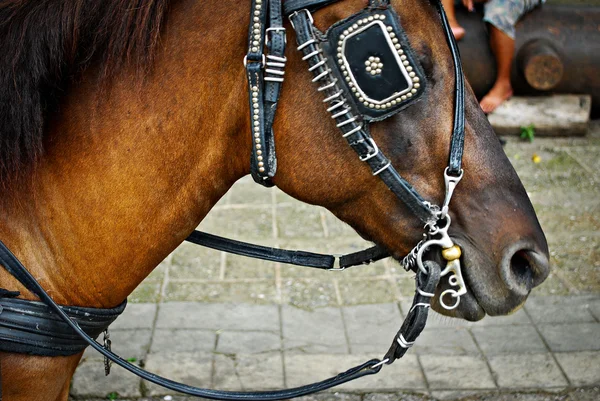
(457, 30)
(503, 47)
(502, 16)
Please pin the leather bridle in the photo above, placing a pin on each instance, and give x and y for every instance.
(265, 72)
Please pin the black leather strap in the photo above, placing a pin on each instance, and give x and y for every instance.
(415, 320)
(458, 131)
(20, 273)
(298, 258)
(291, 6)
(28, 327)
(356, 132)
(262, 162)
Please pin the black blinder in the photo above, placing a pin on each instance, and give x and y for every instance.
(370, 56)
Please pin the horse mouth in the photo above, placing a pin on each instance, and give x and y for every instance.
(469, 308)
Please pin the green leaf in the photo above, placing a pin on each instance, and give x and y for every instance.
(528, 133)
(131, 360)
(112, 396)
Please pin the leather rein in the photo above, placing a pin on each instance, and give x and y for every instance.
(265, 72)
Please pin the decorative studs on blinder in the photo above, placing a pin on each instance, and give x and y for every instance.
(374, 66)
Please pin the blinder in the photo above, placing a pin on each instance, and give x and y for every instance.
(369, 55)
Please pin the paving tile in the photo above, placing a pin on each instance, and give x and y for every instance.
(371, 328)
(495, 340)
(319, 331)
(125, 343)
(136, 316)
(445, 341)
(248, 342)
(309, 294)
(525, 371)
(299, 222)
(146, 292)
(247, 223)
(259, 292)
(331, 397)
(572, 336)
(445, 372)
(457, 394)
(194, 315)
(582, 368)
(556, 309)
(357, 292)
(577, 259)
(240, 267)
(403, 374)
(250, 194)
(192, 368)
(190, 261)
(175, 340)
(404, 396)
(595, 308)
(90, 381)
(249, 372)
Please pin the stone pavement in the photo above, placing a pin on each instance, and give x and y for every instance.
(216, 320)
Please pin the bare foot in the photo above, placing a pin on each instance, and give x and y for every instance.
(457, 30)
(500, 92)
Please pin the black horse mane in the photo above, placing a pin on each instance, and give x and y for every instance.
(45, 44)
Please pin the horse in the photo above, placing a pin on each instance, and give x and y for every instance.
(125, 122)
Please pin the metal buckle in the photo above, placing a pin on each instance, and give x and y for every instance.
(263, 63)
(310, 17)
(337, 264)
(371, 155)
(380, 363)
(451, 183)
(277, 29)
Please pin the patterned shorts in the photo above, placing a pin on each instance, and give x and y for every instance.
(504, 14)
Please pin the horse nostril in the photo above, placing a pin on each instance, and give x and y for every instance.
(520, 267)
(524, 269)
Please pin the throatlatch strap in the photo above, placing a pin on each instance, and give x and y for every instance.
(298, 258)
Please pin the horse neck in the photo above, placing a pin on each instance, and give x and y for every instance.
(129, 171)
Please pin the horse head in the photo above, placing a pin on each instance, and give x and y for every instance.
(504, 254)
